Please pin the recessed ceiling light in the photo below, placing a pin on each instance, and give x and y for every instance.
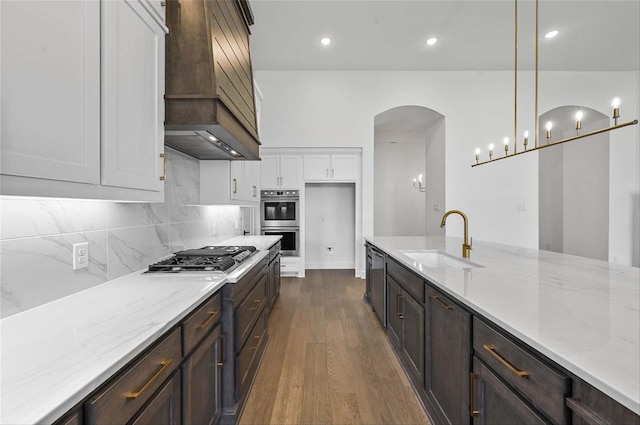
(551, 34)
(325, 41)
(432, 41)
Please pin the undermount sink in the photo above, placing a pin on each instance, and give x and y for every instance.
(434, 259)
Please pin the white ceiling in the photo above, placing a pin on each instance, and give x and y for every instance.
(474, 35)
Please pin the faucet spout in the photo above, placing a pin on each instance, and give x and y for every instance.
(466, 246)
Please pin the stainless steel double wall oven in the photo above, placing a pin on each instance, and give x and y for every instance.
(280, 215)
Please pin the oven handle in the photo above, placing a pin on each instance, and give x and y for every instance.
(279, 198)
(281, 229)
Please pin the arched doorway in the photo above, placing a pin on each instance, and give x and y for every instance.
(573, 183)
(408, 141)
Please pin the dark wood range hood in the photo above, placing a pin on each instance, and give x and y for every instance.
(209, 102)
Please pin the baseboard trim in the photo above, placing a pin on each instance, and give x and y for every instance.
(329, 266)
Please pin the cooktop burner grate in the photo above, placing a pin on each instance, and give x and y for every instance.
(208, 258)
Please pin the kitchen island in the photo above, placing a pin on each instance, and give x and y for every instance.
(54, 355)
(581, 314)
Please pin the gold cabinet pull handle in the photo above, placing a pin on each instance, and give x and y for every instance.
(398, 299)
(213, 314)
(492, 350)
(442, 303)
(235, 185)
(256, 303)
(163, 177)
(165, 364)
(472, 401)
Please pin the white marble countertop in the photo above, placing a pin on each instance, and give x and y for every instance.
(583, 314)
(54, 355)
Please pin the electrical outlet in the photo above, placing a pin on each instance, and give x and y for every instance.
(237, 224)
(436, 207)
(80, 255)
(521, 208)
(213, 229)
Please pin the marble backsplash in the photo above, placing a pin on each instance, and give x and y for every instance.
(37, 235)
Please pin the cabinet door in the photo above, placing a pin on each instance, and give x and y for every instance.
(50, 79)
(317, 167)
(496, 404)
(289, 170)
(238, 181)
(164, 407)
(413, 335)
(367, 288)
(202, 376)
(394, 311)
(276, 274)
(448, 357)
(132, 96)
(343, 167)
(270, 171)
(252, 173)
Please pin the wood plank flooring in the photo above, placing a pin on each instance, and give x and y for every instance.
(328, 360)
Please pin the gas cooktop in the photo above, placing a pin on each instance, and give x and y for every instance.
(207, 258)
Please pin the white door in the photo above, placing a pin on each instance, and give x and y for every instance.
(132, 96)
(252, 172)
(50, 79)
(317, 167)
(343, 167)
(270, 171)
(289, 171)
(238, 180)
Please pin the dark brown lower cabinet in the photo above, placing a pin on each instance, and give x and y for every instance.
(405, 328)
(492, 402)
(394, 311)
(164, 407)
(447, 357)
(413, 335)
(589, 406)
(202, 382)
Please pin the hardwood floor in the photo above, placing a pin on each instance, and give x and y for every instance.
(328, 360)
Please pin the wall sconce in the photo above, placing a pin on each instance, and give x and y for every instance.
(419, 184)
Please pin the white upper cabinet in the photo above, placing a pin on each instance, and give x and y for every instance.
(330, 167)
(132, 96)
(229, 182)
(280, 171)
(50, 79)
(82, 99)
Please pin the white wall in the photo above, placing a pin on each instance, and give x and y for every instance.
(337, 108)
(435, 178)
(399, 207)
(330, 223)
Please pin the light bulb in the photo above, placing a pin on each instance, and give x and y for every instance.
(549, 125)
(579, 115)
(491, 146)
(432, 41)
(506, 141)
(213, 139)
(477, 151)
(526, 134)
(615, 103)
(420, 178)
(551, 34)
(325, 41)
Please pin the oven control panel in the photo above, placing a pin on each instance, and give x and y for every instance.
(275, 193)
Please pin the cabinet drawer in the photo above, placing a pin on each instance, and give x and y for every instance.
(127, 393)
(196, 326)
(542, 385)
(249, 310)
(409, 281)
(248, 359)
